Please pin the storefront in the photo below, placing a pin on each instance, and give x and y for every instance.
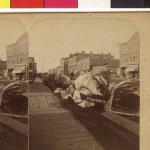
(132, 71)
(19, 73)
(18, 59)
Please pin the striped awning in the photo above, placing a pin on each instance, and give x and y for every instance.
(19, 70)
(131, 68)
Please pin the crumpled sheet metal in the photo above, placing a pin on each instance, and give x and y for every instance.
(125, 98)
(15, 86)
(87, 86)
(15, 96)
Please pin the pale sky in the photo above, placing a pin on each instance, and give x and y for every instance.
(10, 31)
(52, 39)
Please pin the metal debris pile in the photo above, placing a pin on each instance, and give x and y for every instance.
(14, 97)
(90, 89)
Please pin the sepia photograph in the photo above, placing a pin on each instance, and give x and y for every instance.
(13, 85)
(74, 81)
(86, 92)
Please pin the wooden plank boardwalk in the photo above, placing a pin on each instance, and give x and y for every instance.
(53, 128)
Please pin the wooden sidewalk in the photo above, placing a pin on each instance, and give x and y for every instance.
(52, 128)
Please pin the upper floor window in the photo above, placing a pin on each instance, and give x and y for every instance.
(20, 58)
(7, 59)
(10, 60)
(130, 56)
(23, 58)
(17, 58)
(136, 56)
(133, 57)
(27, 56)
(13, 59)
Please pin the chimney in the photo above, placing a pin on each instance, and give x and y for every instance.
(102, 53)
(82, 51)
(71, 54)
(109, 54)
(91, 53)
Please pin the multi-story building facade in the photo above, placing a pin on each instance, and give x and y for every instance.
(130, 56)
(55, 70)
(84, 61)
(51, 71)
(3, 68)
(74, 59)
(64, 66)
(17, 58)
(32, 68)
(89, 62)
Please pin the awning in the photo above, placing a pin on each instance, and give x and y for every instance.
(131, 68)
(19, 70)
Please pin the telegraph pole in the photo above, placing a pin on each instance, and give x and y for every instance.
(42, 66)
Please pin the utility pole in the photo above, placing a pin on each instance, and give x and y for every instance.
(42, 66)
(27, 66)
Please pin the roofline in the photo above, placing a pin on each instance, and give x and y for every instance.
(22, 36)
(73, 55)
(132, 37)
(95, 58)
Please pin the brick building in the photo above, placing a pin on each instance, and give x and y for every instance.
(56, 70)
(64, 66)
(75, 58)
(51, 71)
(130, 57)
(90, 62)
(3, 68)
(17, 58)
(32, 68)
